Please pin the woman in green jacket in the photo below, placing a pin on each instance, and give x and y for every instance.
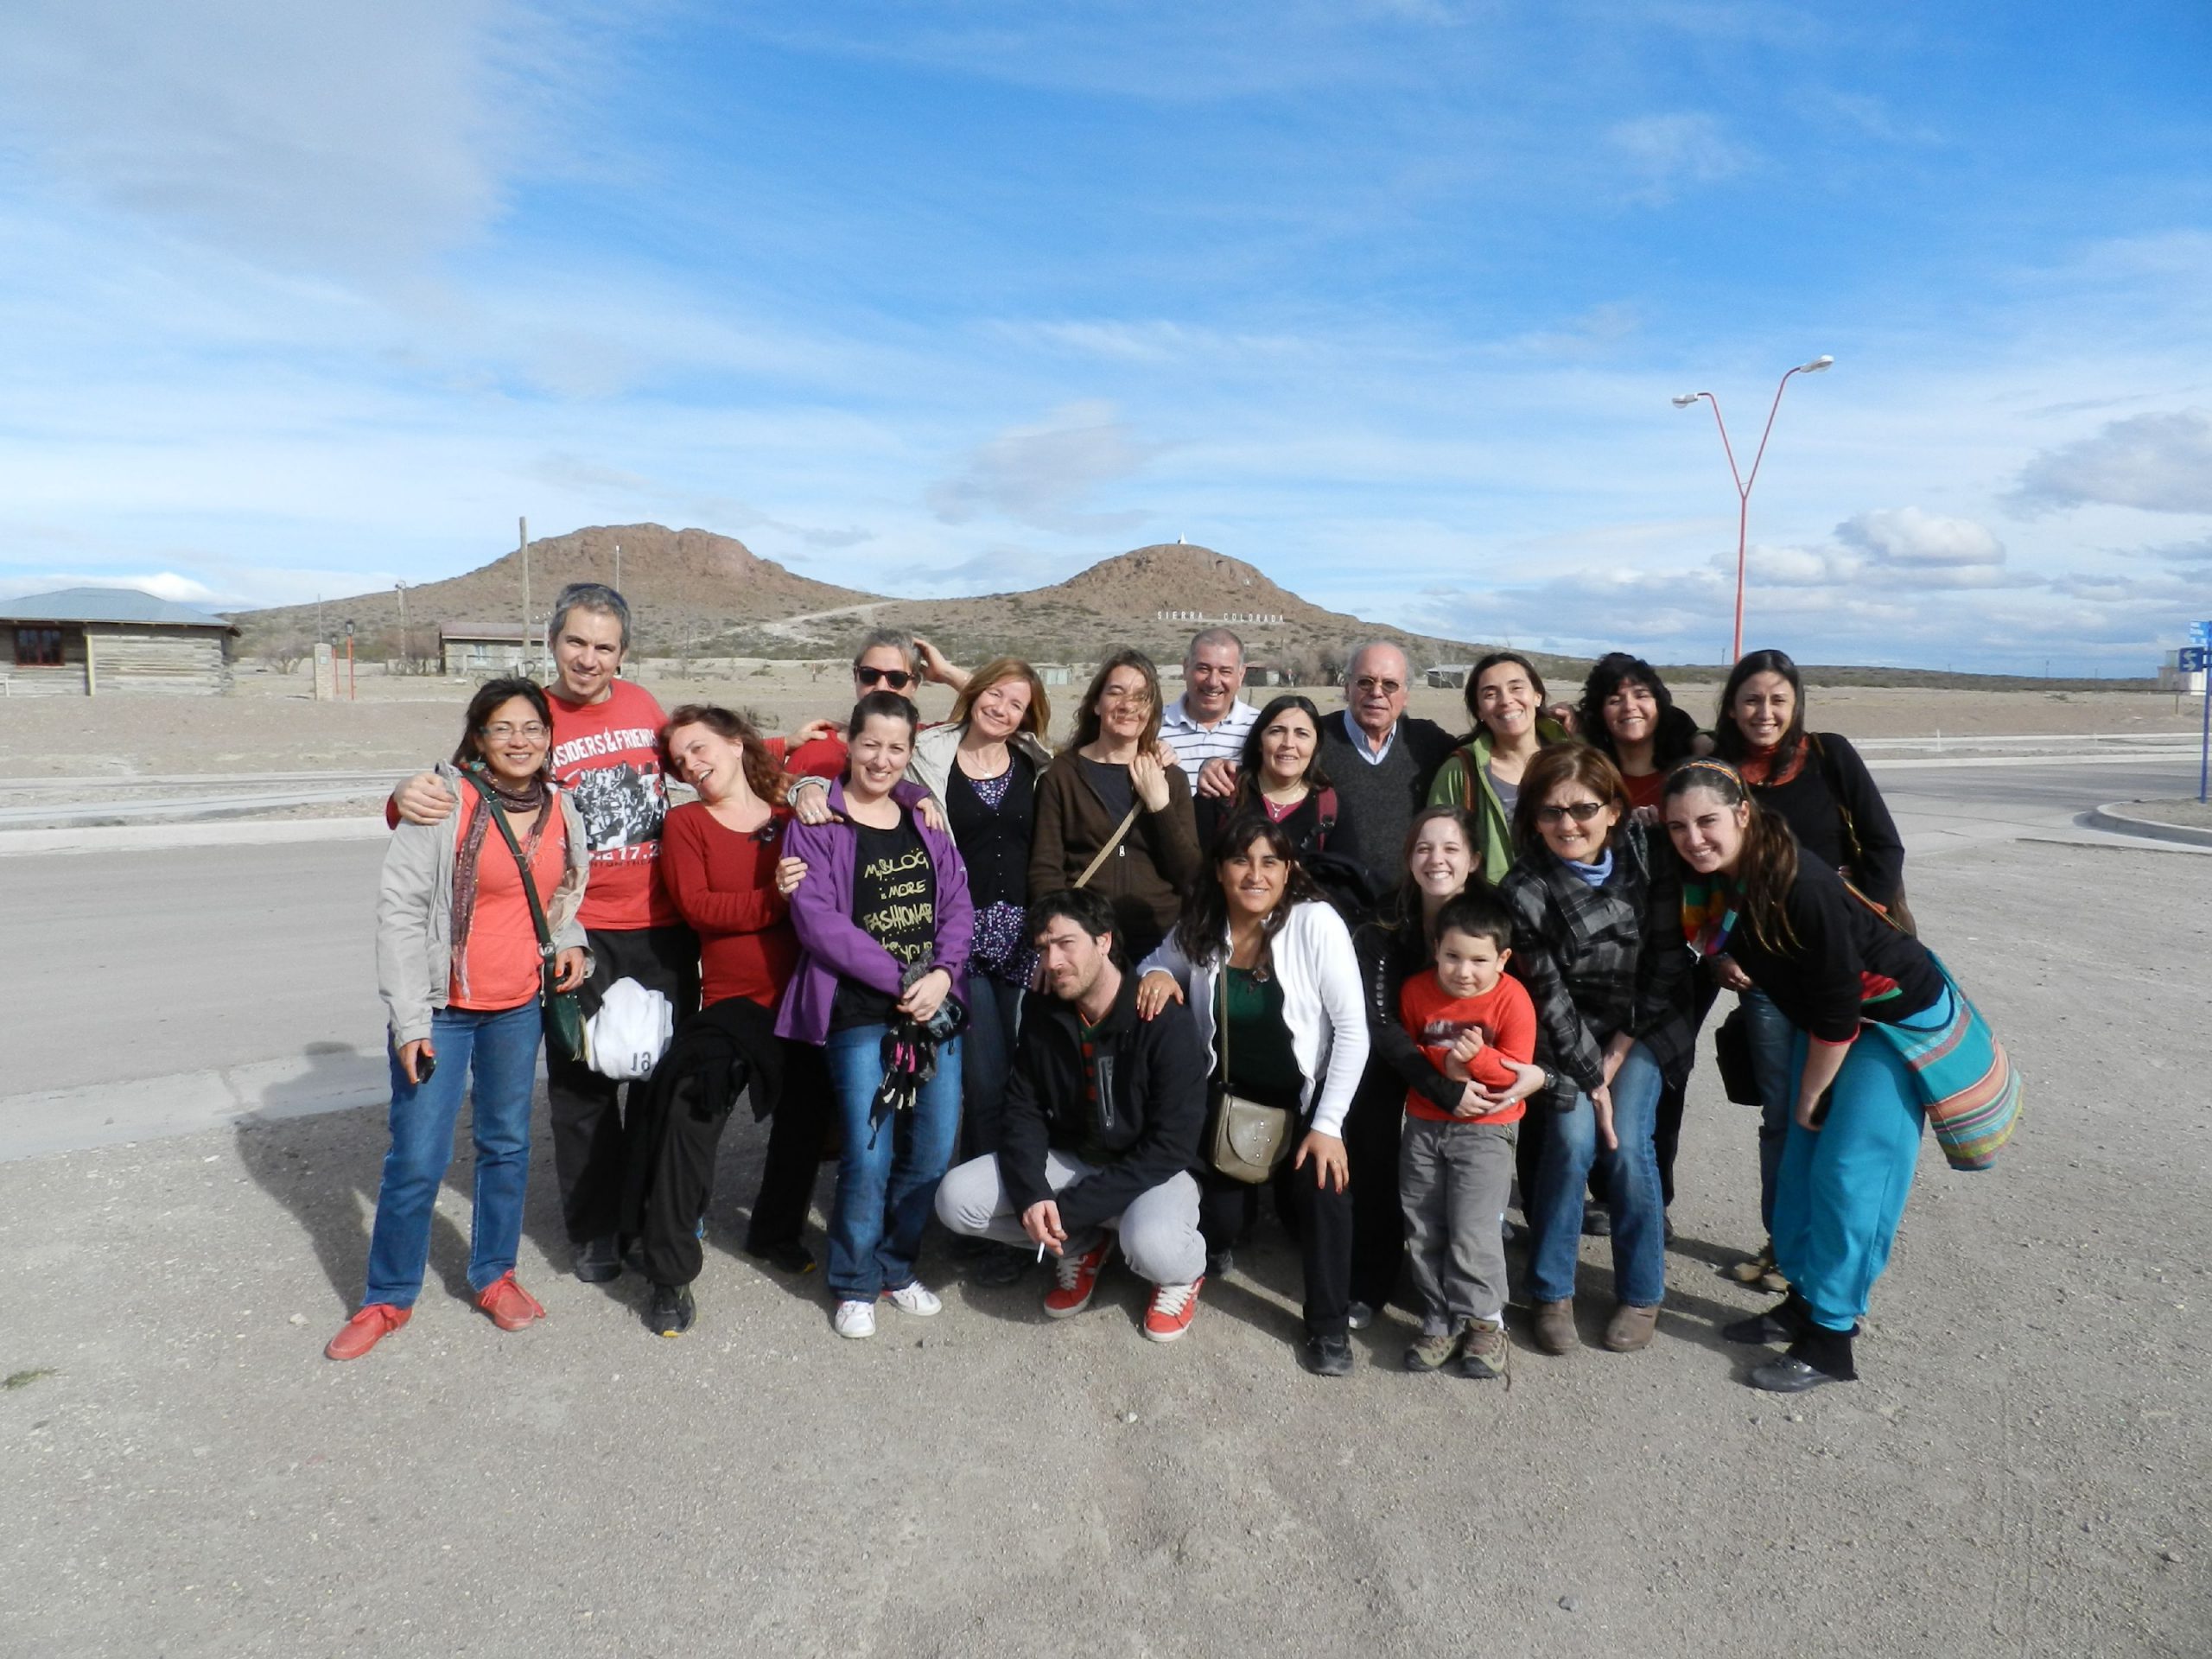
(1505, 698)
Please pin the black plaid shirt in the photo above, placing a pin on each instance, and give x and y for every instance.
(1601, 960)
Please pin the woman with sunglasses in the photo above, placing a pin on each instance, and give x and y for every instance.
(1482, 777)
(1280, 773)
(461, 971)
(1607, 983)
(1111, 815)
(721, 861)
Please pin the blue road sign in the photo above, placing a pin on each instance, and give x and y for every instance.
(2200, 634)
(2189, 660)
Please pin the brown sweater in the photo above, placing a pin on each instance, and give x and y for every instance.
(1144, 877)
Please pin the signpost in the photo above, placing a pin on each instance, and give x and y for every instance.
(2200, 635)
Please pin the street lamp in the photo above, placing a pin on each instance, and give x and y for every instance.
(1743, 482)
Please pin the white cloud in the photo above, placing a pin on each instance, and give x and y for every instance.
(1908, 536)
(1039, 475)
(162, 584)
(1665, 153)
(2160, 463)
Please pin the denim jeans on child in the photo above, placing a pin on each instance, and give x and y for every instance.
(1770, 1037)
(888, 1171)
(1632, 1176)
(500, 1052)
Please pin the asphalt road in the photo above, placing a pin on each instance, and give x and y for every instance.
(199, 960)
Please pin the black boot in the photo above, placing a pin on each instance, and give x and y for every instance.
(1786, 1321)
(1817, 1356)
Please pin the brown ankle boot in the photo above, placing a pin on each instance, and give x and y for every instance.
(1631, 1327)
(1555, 1332)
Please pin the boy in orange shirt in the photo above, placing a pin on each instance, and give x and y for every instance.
(1455, 1168)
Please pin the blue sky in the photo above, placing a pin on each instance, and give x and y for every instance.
(1388, 298)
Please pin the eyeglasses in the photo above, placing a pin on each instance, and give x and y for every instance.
(1580, 811)
(533, 732)
(1388, 688)
(897, 678)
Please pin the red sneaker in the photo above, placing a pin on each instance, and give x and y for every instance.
(365, 1329)
(1173, 1308)
(1078, 1277)
(510, 1306)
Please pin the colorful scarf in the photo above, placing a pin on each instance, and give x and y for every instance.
(1757, 767)
(535, 796)
(1708, 914)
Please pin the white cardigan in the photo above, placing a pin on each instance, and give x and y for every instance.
(931, 765)
(1321, 1003)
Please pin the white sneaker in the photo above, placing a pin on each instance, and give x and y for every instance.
(855, 1319)
(917, 1299)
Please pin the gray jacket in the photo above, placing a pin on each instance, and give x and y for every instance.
(415, 910)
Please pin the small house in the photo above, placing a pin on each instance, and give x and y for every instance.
(479, 650)
(90, 641)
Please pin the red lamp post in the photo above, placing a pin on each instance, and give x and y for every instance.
(1743, 482)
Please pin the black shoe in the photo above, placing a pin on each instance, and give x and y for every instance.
(672, 1309)
(1818, 1355)
(1220, 1263)
(599, 1260)
(787, 1255)
(1328, 1356)
(997, 1266)
(1359, 1315)
(1786, 1321)
(1597, 1221)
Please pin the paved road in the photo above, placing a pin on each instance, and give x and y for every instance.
(199, 960)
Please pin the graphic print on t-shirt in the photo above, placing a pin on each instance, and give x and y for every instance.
(621, 806)
(897, 897)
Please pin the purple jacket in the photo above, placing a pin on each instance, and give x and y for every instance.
(834, 946)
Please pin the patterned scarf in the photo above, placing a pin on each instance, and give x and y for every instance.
(1757, 765)
(534, 796)
(1708, 914)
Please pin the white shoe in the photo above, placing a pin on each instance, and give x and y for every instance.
(917, 1299)
(855, 1319)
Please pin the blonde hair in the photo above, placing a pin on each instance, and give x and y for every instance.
(1035, 719)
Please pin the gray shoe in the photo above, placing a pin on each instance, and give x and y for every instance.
(1431, 1353)
(1485, 1352)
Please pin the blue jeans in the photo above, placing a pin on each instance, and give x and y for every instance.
(1771, 1040)
(888, 1171)
(1843, 1186)
(987, 1057)
(1631, 1177)
(500, 1051)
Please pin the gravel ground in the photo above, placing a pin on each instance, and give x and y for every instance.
(2186, 810)
(2021, 1472)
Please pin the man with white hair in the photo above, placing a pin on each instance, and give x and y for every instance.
(1380, 761)
(1209, 721)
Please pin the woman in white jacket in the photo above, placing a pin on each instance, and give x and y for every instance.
(1267, 966)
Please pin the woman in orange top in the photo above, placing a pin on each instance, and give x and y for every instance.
(460, 969)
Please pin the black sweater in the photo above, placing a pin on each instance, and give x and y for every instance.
(1389, 955)
(1834, 780)
(1821, 985)
(1150, 1113)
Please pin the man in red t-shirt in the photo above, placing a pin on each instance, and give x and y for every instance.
(607, 754)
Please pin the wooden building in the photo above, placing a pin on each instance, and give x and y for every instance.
(92, 641)
(480, 651)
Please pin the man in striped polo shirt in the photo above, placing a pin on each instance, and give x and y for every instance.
(1209, 721)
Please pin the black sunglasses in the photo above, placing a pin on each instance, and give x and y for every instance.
(1580, 811)
(897, 678)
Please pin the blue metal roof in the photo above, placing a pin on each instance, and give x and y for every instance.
(107, 605)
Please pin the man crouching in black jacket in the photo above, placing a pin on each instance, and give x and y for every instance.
(1103, 1116)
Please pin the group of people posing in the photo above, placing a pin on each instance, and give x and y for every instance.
(1101, 997)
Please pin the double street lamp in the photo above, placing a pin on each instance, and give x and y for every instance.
(1744, 481)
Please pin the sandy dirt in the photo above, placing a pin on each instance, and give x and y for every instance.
(2020, 1474)
(270, 724)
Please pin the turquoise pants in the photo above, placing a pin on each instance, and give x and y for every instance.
(1842, 1189)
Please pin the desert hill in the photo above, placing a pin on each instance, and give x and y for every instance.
(678, 581)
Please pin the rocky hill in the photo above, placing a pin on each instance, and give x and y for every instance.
(681, 584)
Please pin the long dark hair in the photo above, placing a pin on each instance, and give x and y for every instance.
(1674, 736)
(1469, 692)
(1249, 763)
(1086, 718)
(1728, 739)
(1767, 867)
(762, 775)
(1202, 931)
(1571, 762)
(1402, 908)
(489, 696)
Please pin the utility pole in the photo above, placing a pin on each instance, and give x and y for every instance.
(523, 534)
(400, 587)
(618, 567)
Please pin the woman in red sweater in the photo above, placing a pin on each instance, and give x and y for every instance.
(722, 865)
